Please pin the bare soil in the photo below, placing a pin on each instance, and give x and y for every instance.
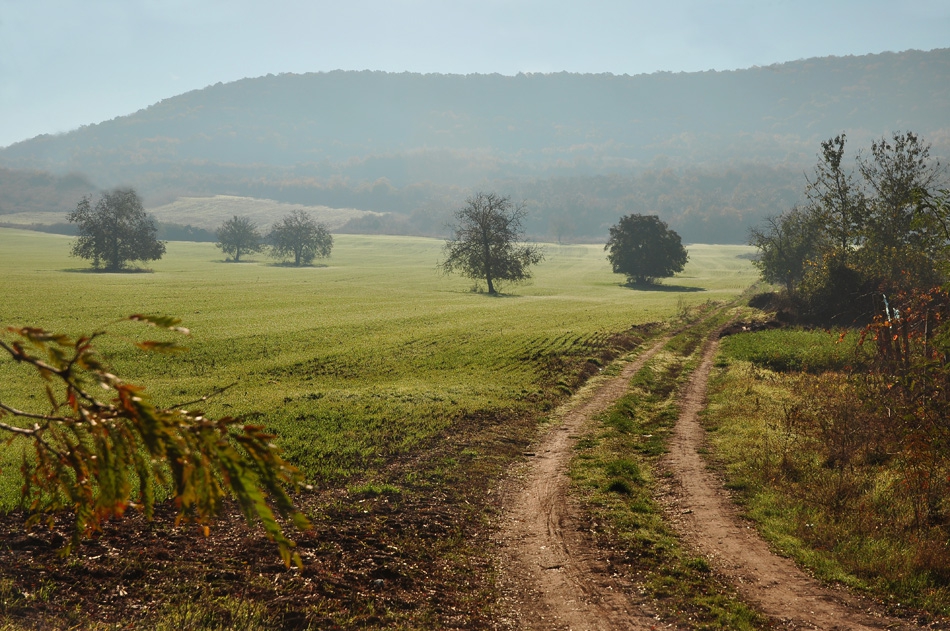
(555, 576)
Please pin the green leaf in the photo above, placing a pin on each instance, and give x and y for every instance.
(162, 322)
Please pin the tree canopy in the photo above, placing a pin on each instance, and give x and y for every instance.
(786, 243)
(88, 451)
(238, 236)
(644, 248)
(487, 242)
(874, 230)
(300, 236)
(116, 231)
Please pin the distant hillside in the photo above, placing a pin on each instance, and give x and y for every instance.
(417, 144)
(37, 191)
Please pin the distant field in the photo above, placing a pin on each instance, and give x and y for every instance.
(210, 212)
(360, 359)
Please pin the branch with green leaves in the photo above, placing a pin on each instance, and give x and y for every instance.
(97, 457)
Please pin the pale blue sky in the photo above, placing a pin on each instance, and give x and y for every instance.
(65, 63)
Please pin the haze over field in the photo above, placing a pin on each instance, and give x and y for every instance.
(711, 152)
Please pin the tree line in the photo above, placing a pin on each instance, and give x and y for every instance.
(487, 242)
(118, 231)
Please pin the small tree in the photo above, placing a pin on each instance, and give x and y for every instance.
(836, 203)
(487, 242)
(786, 245)
(300, 236)
(238, 236)
(902, 245)
(644, 248)
(116, 231)
(88, 450)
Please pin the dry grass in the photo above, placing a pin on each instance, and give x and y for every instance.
(825, 473)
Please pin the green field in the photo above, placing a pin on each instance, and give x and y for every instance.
(358, 360)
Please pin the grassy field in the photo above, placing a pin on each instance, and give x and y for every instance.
(358, 359)
(402, 394)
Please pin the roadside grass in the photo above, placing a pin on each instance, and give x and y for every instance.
(615, 470)
(810, 466)
(400, 393)
(799, 350)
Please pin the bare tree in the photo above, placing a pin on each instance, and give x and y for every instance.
(488, 241)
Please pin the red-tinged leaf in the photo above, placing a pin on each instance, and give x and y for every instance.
(161, 347)
(41, 337)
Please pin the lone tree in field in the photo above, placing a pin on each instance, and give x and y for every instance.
(94, 435)
(238, 236)
(116, 231)
(300, 236)
(644, 248)
(487, 242)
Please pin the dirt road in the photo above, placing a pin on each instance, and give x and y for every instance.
(704, 515)
(552, 575)
(555, 579)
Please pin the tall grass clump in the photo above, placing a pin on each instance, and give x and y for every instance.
(800, 350)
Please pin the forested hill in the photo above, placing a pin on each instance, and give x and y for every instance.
(413, 143)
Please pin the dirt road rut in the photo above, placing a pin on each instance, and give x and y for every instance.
(555, 579)
(701, 510)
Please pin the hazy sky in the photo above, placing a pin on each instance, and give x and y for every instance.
(66, 63)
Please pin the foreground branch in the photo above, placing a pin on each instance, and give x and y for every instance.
(86, 452)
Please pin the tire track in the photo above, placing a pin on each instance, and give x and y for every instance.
(555, 579)
(702, 511)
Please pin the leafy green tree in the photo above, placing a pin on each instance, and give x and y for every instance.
(487, 242)
(836, 202)
(116, 231)
(787, 243)
(300, 236)
(856, 239)
(644, 248)
(87, 450)
(902, 244)
(238, 236)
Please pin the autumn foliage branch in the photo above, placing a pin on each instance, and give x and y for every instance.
(96, 457)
